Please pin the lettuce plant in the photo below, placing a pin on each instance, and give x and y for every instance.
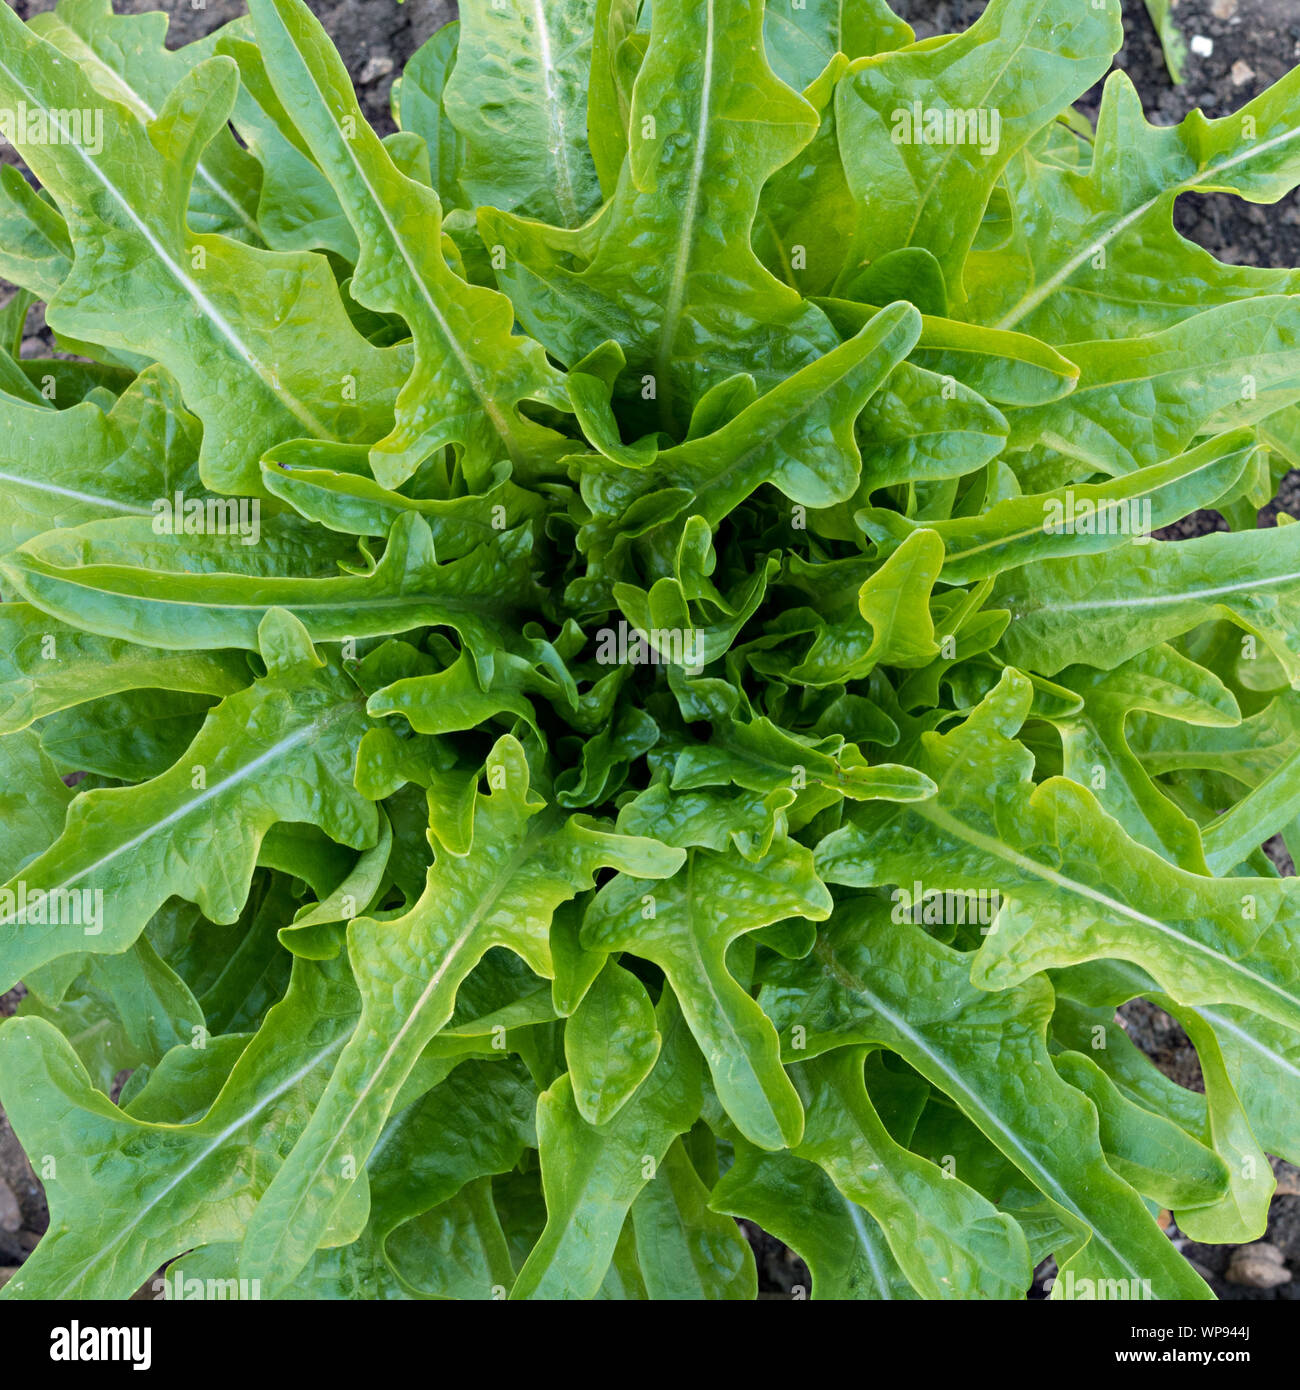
(621, 669)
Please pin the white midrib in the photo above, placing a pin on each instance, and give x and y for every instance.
(142, 108)
(109, 504)
(1143, 985)
(776, 15)
(555, 116)
(1031, 301)
(1232, 835)
(1012, 1144)
(446, 602)
(209, 310)
(833, 779)
(690, 210)
(776, 428)
(1179, 369)
(1218, 1021)
(950, 152)
(720, 1010)
(997, 850)
(415, 278)
(241, 774)
(1186, 596)
(1108, 505)
(450, 956)
(866, 1239)
(218, 1140)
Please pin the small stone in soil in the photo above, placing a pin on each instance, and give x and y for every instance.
(380, 65)
(1258, 1266)
(1202, 46)
(11, 1219)
(1242, 72)
(1288, 1179)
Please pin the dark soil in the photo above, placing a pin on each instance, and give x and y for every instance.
(1254, 43)
(17, 1181)
(375, 37)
